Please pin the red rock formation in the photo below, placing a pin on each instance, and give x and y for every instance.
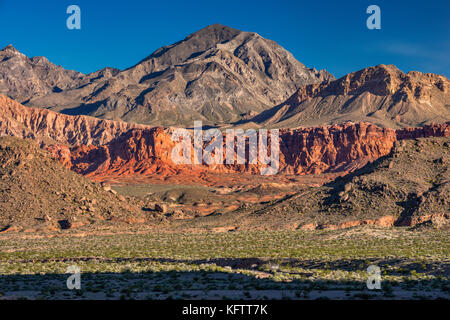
(135, 152)
(433, 130)
(302, 151)
(333, 148)
(52, 127)
(100, 148)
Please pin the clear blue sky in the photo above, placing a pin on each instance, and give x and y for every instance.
(330, 35)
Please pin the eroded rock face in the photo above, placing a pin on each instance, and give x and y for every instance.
(136, 152)
(304, 151)
(52, 127)
(333, 148)
(433, 130)
(382, 95)
(109, 148)
(217, 75)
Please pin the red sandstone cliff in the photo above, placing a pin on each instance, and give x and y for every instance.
(302, 151)
(100, 148)
(52, 127)
(433, 130)
(333, 148)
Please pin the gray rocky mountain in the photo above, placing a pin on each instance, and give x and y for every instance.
(23, 78)
(382, 95)
(218, 75)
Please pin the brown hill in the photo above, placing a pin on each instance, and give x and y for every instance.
(218, 75)
(38, 193)
(382, 95)
(411, 184)
(408, 187)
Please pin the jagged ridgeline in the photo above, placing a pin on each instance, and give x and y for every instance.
(217, 75)
(382, 95)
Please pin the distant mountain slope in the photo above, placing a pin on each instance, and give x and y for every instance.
(23, 78)
(382, 95)
(218, 75)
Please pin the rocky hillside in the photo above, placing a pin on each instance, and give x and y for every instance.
(38, 193)
(408, 187)
(54, 128)
(337, 148)
(104, 148)
(218, 75)
(23, 78)
(382, 95)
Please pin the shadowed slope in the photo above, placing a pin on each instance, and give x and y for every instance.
(38, 193)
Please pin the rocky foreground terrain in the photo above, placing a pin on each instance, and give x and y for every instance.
(38, 194)
(408, 187)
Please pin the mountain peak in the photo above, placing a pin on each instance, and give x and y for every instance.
(194, 43)
(217, 27)
(11, 50)
(389, 67)
(382, 94)
(9, 47)
(382, 80)
(381, 71)
(215, 33)
(218, 74)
